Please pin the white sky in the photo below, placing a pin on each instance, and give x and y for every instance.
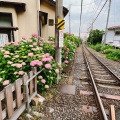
(89, 14)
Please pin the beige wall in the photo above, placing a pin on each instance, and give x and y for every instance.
(48, 30)
(25, 21)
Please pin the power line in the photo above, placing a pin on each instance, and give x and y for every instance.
(98, 13)
(97, 8)
(80, 17)
(101, 17)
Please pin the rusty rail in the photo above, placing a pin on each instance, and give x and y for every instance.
(103, 115)
(106, 67)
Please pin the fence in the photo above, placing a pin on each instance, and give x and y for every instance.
(15, 98)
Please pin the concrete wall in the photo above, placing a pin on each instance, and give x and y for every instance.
(48, 30)
(25, 21)
(110, 36)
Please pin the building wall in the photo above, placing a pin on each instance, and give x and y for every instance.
(48, 30)
(25, 21)
(110, 36)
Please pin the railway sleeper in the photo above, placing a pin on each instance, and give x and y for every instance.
(103, 81)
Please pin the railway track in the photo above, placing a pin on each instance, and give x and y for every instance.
(105, 83)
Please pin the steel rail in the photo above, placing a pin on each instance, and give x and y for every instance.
(106, 67)
(103, 115)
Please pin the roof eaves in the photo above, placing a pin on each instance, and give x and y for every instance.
(53, 3)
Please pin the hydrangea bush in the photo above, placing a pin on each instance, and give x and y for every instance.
(70, 45)
(17, 59)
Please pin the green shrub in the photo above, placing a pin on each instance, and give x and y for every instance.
(107, 51)
(114, 55)
(110, 52)
(98, 47)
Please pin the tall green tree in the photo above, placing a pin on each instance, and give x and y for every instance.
(95, 36)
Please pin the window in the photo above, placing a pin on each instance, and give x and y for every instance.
(6, 28)
(51, 22)
(117, 32)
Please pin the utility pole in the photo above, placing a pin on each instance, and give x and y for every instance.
(80, 18)
(107, 22)
(69, 19)
(58, 50)
(59, 14)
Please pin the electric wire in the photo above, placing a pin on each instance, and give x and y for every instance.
(99, 13)
(97, 8)
(102, 16)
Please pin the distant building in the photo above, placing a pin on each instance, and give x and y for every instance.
(23, 17)
(113, 36)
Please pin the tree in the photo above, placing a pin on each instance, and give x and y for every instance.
(95, 36)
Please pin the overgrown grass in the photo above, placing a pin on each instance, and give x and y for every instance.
(110, 51)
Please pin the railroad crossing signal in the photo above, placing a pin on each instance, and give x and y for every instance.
(61, 24)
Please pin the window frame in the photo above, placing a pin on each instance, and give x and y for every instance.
(9, 32)
(52, 20)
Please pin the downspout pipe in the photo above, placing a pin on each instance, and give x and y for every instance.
(38, 17)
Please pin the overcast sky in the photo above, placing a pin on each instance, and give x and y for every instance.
(89, 13)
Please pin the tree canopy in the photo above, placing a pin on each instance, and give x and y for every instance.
(95, 36)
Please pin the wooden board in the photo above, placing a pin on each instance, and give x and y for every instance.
(9, 100)
(18, 92)
(112, 112)
(31, 83)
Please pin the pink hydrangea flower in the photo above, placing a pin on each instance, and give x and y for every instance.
(23, 63)
(6, 82)
(64, 47)
(15, 43)
(57, 70)
(39, 63)
(47, 66)
(32, 63)
(34, 43)
(43, 81)
(41, 38)
(43, 56)
(66, 53)
(66, 61)
(48, 59)
(51, 57)
(35, 35)
(29, 40)
(47, 54)
(6, 52)
(41, 44)
(30, 54)
(6, 56)
(44, 59)
(23, 37)
(18, 65)
(21, 73)
(36, 62)
(13, 65)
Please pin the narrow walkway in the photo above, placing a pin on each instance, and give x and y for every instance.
(68, 103)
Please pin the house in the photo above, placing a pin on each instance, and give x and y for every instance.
(23, 17)
(113, 36)
(47, 18)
